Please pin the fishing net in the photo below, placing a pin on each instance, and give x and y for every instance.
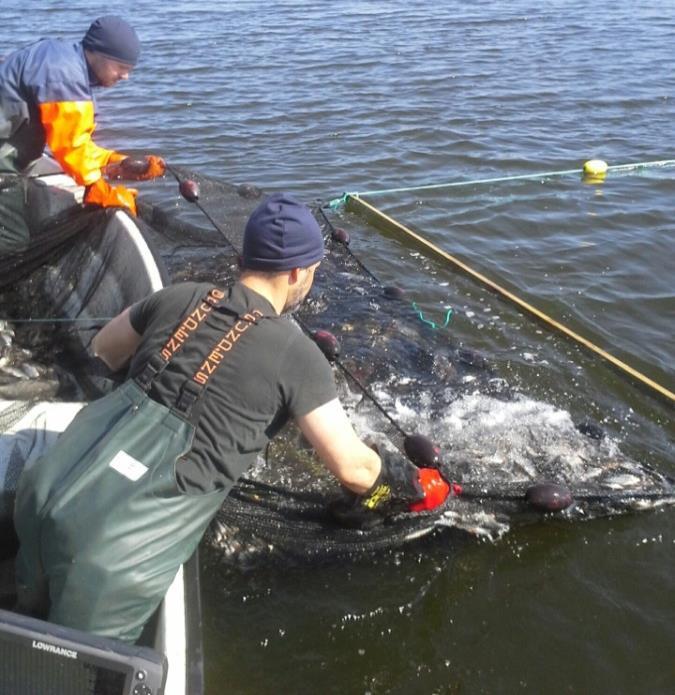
(396, 374)
(58, 298)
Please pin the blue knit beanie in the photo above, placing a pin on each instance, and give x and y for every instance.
(281, 234)
(114, 38)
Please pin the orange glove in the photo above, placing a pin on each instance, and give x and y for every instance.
(156, 167)
(107, 196)
(129, 169)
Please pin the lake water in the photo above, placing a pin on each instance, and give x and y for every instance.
(322, 98)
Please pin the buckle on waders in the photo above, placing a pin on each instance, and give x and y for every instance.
(188, 396)
(152, 368)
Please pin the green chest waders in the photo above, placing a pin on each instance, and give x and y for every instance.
(102, 523)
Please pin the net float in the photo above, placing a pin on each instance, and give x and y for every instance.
(393, 292)
(328, 344)
(340, 235)
(422, 451)
(132, 168)
(189, 189)
(549, 497)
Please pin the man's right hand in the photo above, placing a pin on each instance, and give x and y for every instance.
(125, 168)
(400, 487)
(102, 193)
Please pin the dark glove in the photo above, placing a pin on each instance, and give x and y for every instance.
(102, 193)
(400, 487)
(397, 486)
(128, 169)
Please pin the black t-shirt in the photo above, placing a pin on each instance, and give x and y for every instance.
(272, 372)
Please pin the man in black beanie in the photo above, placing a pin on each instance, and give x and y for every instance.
(46, 99)
(108, 515)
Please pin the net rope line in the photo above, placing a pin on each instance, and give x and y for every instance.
(381, 219)
(336, 202)
(345, 245)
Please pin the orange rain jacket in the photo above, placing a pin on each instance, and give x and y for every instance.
(46, 99)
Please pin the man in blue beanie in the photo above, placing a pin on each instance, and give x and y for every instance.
(46, 99)
(107, 517)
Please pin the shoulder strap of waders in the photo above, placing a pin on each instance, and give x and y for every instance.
(193, 389)
(185, 329)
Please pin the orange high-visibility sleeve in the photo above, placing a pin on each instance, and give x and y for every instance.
(69, 126)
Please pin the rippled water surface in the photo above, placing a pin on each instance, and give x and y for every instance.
(322, 98)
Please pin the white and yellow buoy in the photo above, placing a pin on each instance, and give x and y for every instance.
(595, 171)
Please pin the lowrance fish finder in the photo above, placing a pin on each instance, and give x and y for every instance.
(39, 658)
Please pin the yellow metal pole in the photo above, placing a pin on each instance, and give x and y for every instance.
(384, 221)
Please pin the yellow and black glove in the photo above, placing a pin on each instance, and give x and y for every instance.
(397, 488)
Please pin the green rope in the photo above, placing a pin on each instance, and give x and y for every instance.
(337, 202)
(433, 324)
(499, 179)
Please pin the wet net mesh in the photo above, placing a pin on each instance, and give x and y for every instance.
(421, 379)
(395, 375)
(57, 296)
(40, 348)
